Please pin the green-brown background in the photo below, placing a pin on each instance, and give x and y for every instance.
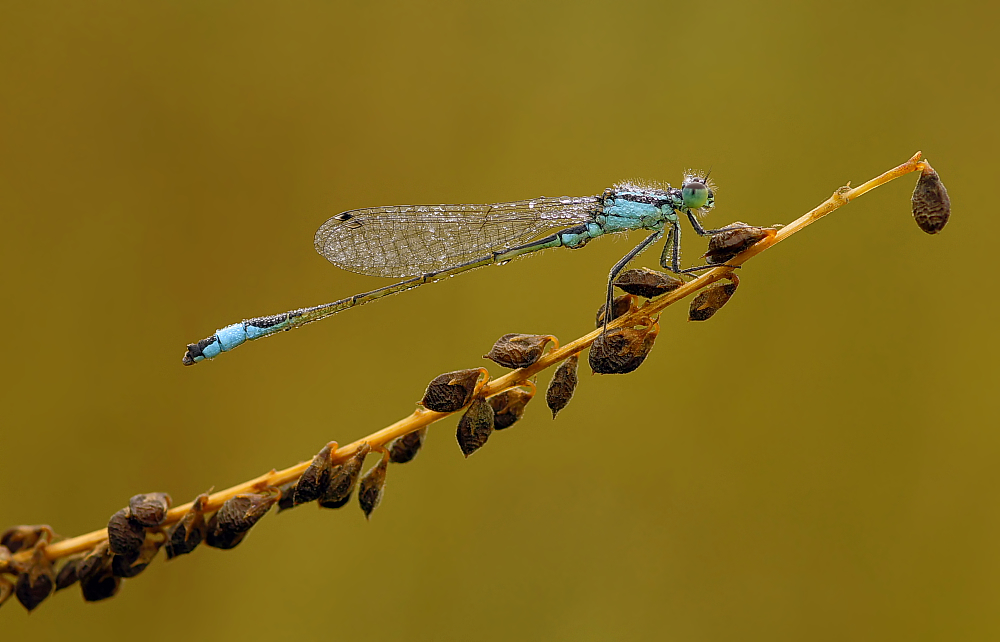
(817, 462)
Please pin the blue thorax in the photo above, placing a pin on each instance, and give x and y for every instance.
(630, 207)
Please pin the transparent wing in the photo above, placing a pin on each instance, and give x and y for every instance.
(407, 240)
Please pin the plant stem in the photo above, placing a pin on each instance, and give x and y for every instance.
(422, 417)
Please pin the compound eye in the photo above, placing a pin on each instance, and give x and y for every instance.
(695, 193)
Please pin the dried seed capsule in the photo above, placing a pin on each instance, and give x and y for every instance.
(452, 390)
(343, 478)
(622, 350)
(563, 385)
(32, 591)
(930, 203)
(100, 586)
(6, 590)
(223, 539)
(121, 567)
(94, 563)
(647, 283)
(339, 501)
(508, 406)
(622, 304)
(18, 537)
(287, 496)
(711, 299)
(125, 536)
(372, 485)
(37, 582)
(518, 350)
(475, 426)
(67, 574)
(236, 517)
(243, 511)
(187, 533)
(732, 240)
(405, 448)
(314, 481)
(149, 509)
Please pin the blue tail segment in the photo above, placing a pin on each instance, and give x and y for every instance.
(232, 336)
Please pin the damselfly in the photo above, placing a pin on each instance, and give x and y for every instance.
(430, 242)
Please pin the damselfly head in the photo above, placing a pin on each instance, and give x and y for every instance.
(697, 192)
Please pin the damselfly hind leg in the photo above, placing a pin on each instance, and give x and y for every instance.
(619, 266)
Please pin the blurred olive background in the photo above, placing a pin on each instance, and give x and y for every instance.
(816, 462)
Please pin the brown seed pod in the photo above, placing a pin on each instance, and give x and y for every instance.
(37, 582)
(149, 509)
(930, 203)
(287, 496)
(230, 524)
(125, 536)
(18, 537)
(622, 350)
(711, 299)
(475, 427)
(563, 385)
(405, 448)
(343, 479)
(32, 591)
(621, 305)
(121, 567)
(314, 481)
(452, 390)
(732, 240)
(337, 502)
(189, 531)
(519, 350)
(223, 539)
(508, 406)
(6, 590)
(94, 563)
(646, 283)
(67, 574)
(243, 511)
(372, 485)
(100, 586)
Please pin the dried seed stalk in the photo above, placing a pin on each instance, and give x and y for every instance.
(98, 583)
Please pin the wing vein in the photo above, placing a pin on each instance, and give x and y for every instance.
(408, 240)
